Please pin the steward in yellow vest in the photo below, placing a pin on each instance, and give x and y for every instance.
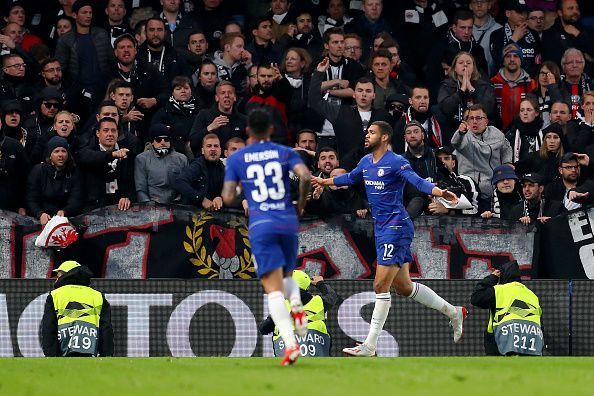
(317, 340)
(514, 326)
(77, 318)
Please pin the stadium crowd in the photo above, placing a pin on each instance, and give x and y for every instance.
(113, 102)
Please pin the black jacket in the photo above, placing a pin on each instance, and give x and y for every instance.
(348, 127)
(50, 190)
(147, 82)
(14, 167)
(235, 127)
(548, 167)
(168, 67)
(530, 45)
(555, 42)
(49, 323)
(180, 121)
(201, 179)
(96, 170)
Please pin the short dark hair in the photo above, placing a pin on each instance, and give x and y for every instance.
(259, 20)
(118, 83)
(563, 103)
(462, 14)
(105, 103)
(104, 120)
(380, 53)
(156, 19)
(365, 80)
(306, 130)
(385, 128)
(180, 81)
(47, 61)
(478, 107)
(259, 122)
(331, 31)
(326, 149)
(234, 139)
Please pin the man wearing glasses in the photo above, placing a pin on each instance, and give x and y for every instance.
(14, 84)
(574, 80)
(155, 170)
(480, 148)
(567, 188)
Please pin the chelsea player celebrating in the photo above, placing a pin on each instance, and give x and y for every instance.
(385, 175)
(263, 170)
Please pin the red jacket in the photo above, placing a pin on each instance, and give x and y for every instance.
(509, 94)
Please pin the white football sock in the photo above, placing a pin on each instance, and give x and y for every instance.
(292, 293)
(426, 296)
(383, 301)
(281, 317)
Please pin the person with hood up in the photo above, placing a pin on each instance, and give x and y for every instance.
(317, 341)
(514, 326)
(77, 318)
(54, 187)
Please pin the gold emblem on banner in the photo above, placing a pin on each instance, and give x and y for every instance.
(223, 258)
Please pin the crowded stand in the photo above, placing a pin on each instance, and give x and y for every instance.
(118, 102)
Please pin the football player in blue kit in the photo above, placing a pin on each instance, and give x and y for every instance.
(263, 168)
(385, 175)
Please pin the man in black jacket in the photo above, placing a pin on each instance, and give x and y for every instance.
(107, 169)
(14, 167)
(349, 122)
(158, 52)
(201, 183)
(223, 119)
(68, 327)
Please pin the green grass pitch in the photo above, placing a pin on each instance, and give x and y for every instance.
(320, 376)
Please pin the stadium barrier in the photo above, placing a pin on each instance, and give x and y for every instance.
(156, 241)
(219, 318)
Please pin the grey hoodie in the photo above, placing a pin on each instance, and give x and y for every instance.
(482, 35)
(479, 154)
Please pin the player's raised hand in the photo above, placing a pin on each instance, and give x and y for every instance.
(323, 65)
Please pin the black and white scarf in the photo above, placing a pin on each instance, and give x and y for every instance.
(188, 107)
(528, 37)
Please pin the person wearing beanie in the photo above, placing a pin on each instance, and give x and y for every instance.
(317, 340)
(515, 313)
(545, 160)
(512, 83)
(516, 31)
(156, 169)
(74, 309)
(54, 187)
(506, 193)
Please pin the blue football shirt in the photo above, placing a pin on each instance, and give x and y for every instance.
(384, 183)
(263, 170)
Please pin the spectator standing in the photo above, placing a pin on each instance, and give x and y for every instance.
(233, 62)
(158, 52)
(157, 169)
(14, 167)
(512, 83)
(369, 24)
(525, 131)
(115, 23)
(481, 150)
(545, 161)
(574, 80)
(178, 115)
(484, 26)
(179, 24)
(201, 183)
(548, 89)
(263, 48)
(54, 187)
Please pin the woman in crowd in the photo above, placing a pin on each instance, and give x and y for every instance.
(295, 68)
(179, 113)
(548, 90)
(64, 126)
(463, 87)
(54, 187)
(524, 133)
(545, 161)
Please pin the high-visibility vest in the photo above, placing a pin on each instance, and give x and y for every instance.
(317, 340)
(516, 320)
(78, 310)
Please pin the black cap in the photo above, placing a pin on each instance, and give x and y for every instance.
(78, 4)
(157, 130)
(533, 178)
(444, 149)
(516, 5)
(55, 142)
(13, 3)
(400, 98)
(554, 127)
(124, 36)
(568, 157)
(12, 105)
(51, 93)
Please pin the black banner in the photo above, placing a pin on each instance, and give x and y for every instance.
(567, 246)
(155, 241)
(219, 318)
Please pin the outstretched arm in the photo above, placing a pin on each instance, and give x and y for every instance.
(229, 192)
(304, 184)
